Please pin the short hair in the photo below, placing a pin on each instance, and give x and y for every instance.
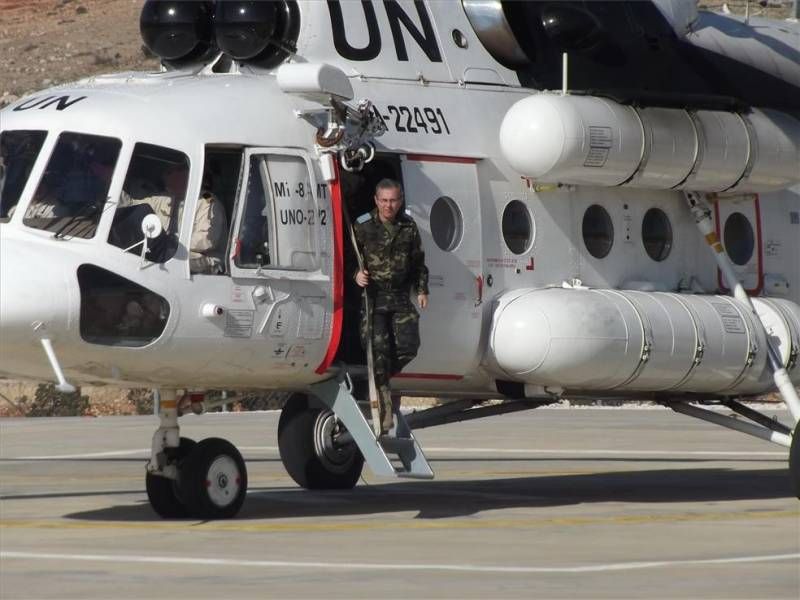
(389, 184)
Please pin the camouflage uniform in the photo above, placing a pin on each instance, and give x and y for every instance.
(395, 260)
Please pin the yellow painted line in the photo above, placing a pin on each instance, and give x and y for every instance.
(404, 524)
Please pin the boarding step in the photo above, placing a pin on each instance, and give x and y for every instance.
(397, 455)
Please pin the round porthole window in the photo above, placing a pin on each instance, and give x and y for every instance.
(459, 39)
(657, 234)
(739, 239)
(598, 231)
(446, 223)
(517, 227)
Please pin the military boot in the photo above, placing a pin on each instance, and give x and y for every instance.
(387, 416)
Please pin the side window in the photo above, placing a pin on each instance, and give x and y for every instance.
(155, 184)
(598, 231)
(18, 153)
(74, 187)
(119, 312)
(278, 215)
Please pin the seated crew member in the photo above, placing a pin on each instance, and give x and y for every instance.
(394, 265)
(168, 206)
(209, 234)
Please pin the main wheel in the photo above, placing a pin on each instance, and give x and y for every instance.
(163, 493)
(794, 460)
(305, 441)
(213, 481)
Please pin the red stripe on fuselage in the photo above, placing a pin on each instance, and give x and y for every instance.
(338, 271)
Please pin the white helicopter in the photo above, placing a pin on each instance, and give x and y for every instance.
(607, 193)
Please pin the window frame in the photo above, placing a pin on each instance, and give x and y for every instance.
(120, 178)
(606, 219)
(667, 244)
(531, 228)
(458, 223)
(44, 150)
(39, 171)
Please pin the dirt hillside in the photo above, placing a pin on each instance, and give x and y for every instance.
(47, 42)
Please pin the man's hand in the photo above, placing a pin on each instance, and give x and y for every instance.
(422, 300)
(362, 278)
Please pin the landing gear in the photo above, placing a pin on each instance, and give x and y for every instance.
(164, 494)
(213, 480)
(205, 480)
(794, 460)
(305, 441)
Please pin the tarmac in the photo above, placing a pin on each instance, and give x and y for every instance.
(551, 503)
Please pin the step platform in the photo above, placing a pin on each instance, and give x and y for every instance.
(397, 455)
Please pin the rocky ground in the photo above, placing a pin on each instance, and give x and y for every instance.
(48, 42)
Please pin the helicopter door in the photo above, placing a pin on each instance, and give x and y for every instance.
(739, 229)
(442, 197)
(280, 257)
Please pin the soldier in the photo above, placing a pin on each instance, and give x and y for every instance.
(394, 265)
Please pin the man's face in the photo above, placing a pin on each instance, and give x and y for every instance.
(388, 201)
(176, 179)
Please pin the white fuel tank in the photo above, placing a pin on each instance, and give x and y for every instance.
(584, 339)
(586, 140)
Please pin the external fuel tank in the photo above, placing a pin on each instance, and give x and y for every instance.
(602, 339)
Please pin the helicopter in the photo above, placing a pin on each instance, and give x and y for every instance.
(608, 195)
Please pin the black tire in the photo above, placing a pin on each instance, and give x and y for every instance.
(307, 452)
(794, 460)
(213, 481)
(163, 493)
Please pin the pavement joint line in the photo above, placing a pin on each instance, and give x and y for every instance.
(404, 524)
(456, 450)
(358, 566)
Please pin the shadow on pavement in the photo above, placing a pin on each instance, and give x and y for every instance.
(444, 499)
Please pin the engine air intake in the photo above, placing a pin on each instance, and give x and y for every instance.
(261, 32)
(178, 32)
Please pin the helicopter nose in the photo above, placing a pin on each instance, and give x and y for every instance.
(36, 302)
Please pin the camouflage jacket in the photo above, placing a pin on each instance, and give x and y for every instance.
(395, 262)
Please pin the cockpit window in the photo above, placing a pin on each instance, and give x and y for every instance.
(74, 188)
(18, 152)
(155, 184)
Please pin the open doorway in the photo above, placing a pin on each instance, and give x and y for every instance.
(358, 193)
(211, 228)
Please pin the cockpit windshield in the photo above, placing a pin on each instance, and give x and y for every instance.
(74, 188)
(18, 153)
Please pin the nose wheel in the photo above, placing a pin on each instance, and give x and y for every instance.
(211, 482)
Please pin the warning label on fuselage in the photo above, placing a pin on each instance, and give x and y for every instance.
(239, 323)
(731, 319)
(600, 142)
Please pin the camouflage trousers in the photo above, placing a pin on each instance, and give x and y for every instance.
(395, 341)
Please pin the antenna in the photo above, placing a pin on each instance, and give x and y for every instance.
(564, 74)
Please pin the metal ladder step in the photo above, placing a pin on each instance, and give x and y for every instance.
(378, 453)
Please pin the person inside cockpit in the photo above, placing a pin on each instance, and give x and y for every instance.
(209, 232)
(167, 191)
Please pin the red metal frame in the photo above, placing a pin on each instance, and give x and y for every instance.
(759, 249)
(338, 272)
